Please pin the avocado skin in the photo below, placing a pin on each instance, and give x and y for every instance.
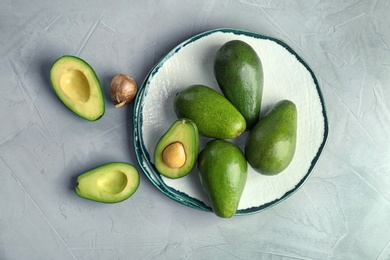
(271, 144)
(213, 114)
(223, 174)
(239, 73)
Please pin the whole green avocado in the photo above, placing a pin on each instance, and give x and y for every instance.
(239, 73)
(271, 144)
(223, 173)
(212, 113)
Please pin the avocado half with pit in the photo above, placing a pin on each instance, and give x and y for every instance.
(177, 150)
(109, 183)
(77, 86)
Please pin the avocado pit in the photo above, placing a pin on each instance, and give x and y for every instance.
(174, 155)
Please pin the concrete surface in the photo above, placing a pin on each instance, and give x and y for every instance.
(341, 212)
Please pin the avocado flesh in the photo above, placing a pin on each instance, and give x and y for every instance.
(239, 73)
(223, 173)
(182, 131)
(109, 183)
(77, 86)
(271, 144)
(213, 114)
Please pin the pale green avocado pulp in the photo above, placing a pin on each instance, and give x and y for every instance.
(78, 87)
(110, 183)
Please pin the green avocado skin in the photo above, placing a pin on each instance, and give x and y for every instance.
(239, 73)
(271, 144)
(212, 113)
(223, 173)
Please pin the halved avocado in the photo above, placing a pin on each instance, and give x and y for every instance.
(77, 86)
(177, 150)
(109, 183)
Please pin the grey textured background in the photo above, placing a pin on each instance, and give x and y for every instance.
(342, 211)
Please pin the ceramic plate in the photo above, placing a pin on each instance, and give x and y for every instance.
(286, 76)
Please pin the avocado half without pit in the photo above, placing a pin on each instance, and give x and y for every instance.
(77, 86)
(109, 183)
(177, 150)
